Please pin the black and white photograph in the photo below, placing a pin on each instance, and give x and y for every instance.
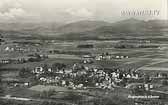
(83, 52)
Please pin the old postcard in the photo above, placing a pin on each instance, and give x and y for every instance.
(83, 52)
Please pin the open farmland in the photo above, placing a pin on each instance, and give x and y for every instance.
(161, 65)
(103, 66)
(42, 88)
(32, 65)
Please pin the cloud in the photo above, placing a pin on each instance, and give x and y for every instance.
(16, 15)
(81, 13)
(5, 5)
(12, 10)
(72, 10)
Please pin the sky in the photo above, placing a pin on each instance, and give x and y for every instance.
(75, 10)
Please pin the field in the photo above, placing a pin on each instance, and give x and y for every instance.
(142, 59)
(161, 65)
(32, 65)
(41, 88)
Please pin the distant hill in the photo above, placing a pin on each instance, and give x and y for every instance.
(123, 29)
(159, 25)
(88, 29)
(130, 25)
(81, 26)
(30, 27)
(55, 28)
(134, 26)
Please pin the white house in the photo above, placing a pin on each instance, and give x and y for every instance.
(38, 70)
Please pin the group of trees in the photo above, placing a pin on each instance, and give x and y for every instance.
(124, 45)
(85, 46)
(69, 52)
(25, 72)
(58, 66)
(54, 66)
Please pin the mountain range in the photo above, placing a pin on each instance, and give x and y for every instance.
(86, 27)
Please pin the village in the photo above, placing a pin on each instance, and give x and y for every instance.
(46, 70)
(49, 70)
(83, 76)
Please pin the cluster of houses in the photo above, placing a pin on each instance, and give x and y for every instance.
(87, 61)
(107, 56)
(80, 76)
(83, 77)
(14, 61)
(13, 82)
(16, 48)
(24, 59)
(140, 86)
